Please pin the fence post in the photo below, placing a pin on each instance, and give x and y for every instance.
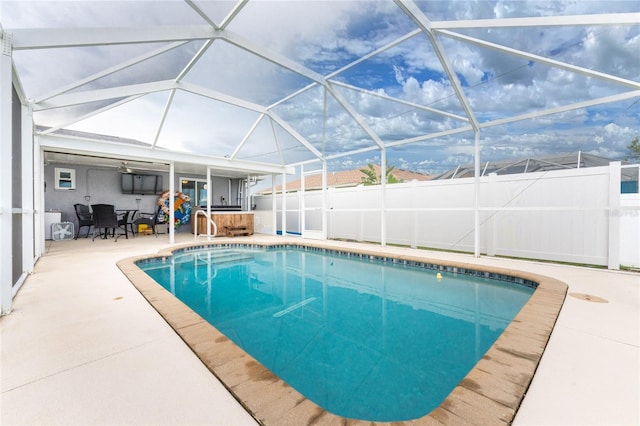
(283, 220)
(325, 194)
(359, 188)
(490, 219)
(613, 257)
(414, 236)
(301, 203)
(330, 215)
(274, 206)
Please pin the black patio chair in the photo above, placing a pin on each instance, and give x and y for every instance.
(126, 222)
(105, 221)
(152, 220)
(85, 218)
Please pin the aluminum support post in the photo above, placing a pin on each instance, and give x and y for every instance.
(476, 198)
(172, 192)
(6, 175)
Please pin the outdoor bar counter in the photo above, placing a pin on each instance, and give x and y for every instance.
(230, 220)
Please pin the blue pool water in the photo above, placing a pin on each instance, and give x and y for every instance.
(362, 338)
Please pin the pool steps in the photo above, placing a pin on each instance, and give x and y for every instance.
(220, 257)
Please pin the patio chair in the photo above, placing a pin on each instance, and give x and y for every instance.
(151, 220)
(105, 221)
(85, 218)
(126, 222)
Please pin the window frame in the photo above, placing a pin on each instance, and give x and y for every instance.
(196, 199)
(59, 179)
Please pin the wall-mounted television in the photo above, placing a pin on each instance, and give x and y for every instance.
(141, 184)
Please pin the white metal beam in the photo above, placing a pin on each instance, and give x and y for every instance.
(165, 112)
(293, 95)
(218, 96)
(383, 198)
(352, 152)
(276, 141)
(233, 13)
(69, 99)
(209, 204)
(283, 213)
(521, 117)
(142, 89)
(414, 12)
(354, 114)
(172, 209)
(17, 85)
(282, 123)
(302, 214)
(430, 136)
(476, 198)
(542, 21)
(28, 193)
(201, 13)
(6, 175)
(577, 105)
(274, 206)
(194, 60)
(247, 136)
(38, 198)
(48, 38)
(527, 116)
(109, 71)
(311, 161)
(325, 106)
(79, 118)
(543, 60)
(401, 101)
(272, 57)
(376, 52)
(325, 209)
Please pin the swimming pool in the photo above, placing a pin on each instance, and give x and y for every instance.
(405, 320)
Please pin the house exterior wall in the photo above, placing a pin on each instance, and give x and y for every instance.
(101, 185)
(93, 186)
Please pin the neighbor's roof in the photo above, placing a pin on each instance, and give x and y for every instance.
(570, 160)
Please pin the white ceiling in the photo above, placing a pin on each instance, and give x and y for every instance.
(253, 86)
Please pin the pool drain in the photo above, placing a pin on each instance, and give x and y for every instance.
(589, 297)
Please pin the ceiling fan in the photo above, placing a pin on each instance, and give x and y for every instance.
(123, 168)
(133, 167)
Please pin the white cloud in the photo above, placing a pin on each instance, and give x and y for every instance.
(327, 35)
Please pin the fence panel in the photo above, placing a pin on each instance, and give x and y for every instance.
(560, 215)
(556, 215)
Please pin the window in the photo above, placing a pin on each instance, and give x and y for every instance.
(65, 179)
(196, 189)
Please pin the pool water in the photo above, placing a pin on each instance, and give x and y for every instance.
(361, 338)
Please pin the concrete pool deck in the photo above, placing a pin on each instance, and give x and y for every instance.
(83, 346)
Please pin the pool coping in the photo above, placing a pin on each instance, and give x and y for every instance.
(489, 394)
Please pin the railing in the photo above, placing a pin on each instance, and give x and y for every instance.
(195, 226)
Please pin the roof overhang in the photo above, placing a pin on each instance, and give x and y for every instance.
(160, 159)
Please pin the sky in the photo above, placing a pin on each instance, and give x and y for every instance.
(324, 37)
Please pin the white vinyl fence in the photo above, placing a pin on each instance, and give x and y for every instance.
(575, 215)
